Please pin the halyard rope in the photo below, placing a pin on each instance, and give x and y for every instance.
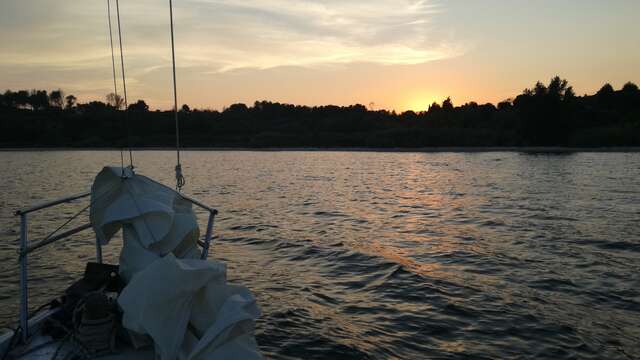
(179, 177)
(113, 67)
(124, 85)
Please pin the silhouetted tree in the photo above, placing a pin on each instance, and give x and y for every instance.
(505, 105)
(38, 99)
(605, 95)
(70, 102)
(605, 90)
(116, 101)
(94, 107)
(56, 98)
(629, 99)
(630, 88)
(557, 88)
(8, 99)
(237, 108)
(139, 106)
(569, 94)
(539, 89)
(543, 115)
(23, 98)
(447, 104)
(434, 107)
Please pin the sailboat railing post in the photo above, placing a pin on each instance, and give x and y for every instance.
(24, 295)
(207, 237)
(98, 251)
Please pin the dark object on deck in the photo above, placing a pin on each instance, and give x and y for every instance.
(98, 278)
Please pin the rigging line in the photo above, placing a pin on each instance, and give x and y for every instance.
(179, 178)
(124, 85)
(113, 67)
(73, 217)
(92, 201)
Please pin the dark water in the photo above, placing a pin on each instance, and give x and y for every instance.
(388, 255)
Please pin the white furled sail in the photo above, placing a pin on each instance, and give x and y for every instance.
(183, 303)
(190, 312)
(154, 218)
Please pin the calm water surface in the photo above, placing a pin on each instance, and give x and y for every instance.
(387, 255)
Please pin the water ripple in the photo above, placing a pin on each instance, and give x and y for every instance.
(388, 255)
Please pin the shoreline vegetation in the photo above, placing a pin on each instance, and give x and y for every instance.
(545, 118)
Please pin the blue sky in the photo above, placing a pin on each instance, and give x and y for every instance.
(397, 54)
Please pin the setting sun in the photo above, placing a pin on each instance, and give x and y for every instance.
(420, 101)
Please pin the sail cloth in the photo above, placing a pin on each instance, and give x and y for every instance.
(183, 303)
(154, 218)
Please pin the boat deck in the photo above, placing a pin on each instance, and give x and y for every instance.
(43, 348)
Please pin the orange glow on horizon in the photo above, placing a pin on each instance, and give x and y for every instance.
(419, 101)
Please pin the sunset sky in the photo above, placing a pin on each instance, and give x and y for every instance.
(396, 54)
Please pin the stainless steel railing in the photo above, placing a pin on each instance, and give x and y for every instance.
(25, 248)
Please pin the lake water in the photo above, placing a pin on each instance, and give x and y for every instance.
(361, 255)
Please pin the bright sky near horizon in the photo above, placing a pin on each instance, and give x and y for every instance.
(397, 54)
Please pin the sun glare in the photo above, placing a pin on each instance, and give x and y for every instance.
(419, 101)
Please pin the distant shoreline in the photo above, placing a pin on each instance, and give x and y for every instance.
(460, 149)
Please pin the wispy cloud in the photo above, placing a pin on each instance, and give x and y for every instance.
(348, 50)
(68, 41)
(263, 34)
(225, 35)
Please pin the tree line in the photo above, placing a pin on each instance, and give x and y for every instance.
(544, 115)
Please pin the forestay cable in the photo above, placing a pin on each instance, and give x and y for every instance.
(124, 85)
(113, 67)
(179, 178)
